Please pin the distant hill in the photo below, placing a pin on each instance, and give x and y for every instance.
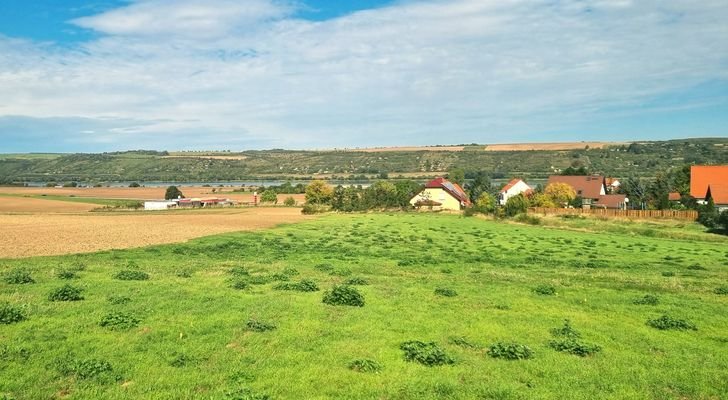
(531, 161)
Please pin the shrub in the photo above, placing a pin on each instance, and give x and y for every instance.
(566, 331)
(310, 209)
(67, 274)
(10, 314)
(239, 284)
(66, 293)
(289, 201)
(343, 296)
(428, 354)
(365, 365)
(575, 347)
(357, 281)
(721, 290)
(446, 292)
(18, 276)
(131, 275)
(647, 299)
(239, 271)
(305, 285)
(510, 351)
(545, 290)
(528, 219)
(666, 322)
(269, 196)
(119, 321)
(259, 326)
(114, 299)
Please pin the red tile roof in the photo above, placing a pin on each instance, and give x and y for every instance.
(719, 193)
(703, 175)
(673, 196)
(611, 201)
(509, 185)
(453, 188)
(586, 186)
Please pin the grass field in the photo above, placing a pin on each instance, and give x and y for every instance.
(209, 323)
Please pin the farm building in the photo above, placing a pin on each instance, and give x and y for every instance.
(513, 188)
(159, 205)
(702, 176)
(441, 194)
(203, 202)
(719, 195)
(593, 191)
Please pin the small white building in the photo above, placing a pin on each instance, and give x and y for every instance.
(511, 189)
(159, 204)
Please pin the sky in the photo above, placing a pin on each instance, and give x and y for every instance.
(105, 75)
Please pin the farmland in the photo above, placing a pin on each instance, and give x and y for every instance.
(206, 320)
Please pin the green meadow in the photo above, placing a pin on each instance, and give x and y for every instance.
(237, 316)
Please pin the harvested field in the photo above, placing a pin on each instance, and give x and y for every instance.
(550, 146)
(25, 205)
(209, 157)
(405, 148)
(53, 234)
(140, 193)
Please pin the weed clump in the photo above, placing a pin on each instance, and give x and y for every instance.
(304, 285)
(446, 292)
(365, 365)
(119, 321)
(10, 314)
(279, 277)
(18, 276)
(245, 394)
(67, 274)
(463, 342)
(666, 322)
(343, 296)
(184, 273)
(566, 331)
(239, 284)
(289, 271)
(428, 354)
(668, 273)
(131, 275)
(114, 299)
(324, 267)
(341, 272)
(545, 290)
(567, 341)
(259, 326)
(87, 369)
(647, 299)
(721, 290)
(697, 267)
(238, 271)
(66, 293)
(510, 351)
(180, 360)
(357, 281)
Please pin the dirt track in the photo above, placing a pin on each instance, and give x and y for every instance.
(52, 234)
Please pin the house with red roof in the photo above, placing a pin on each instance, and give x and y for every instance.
(719, 195)
(441, 194)
(511, 189)
(593, 191)
(702, 176)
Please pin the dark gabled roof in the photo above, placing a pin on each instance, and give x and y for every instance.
(719, 194)
(452, 188)
(586, 186)
(701, 176)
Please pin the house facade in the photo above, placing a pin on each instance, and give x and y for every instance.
(511, 189)
(719, 195)
(702, 176)
(441, 194)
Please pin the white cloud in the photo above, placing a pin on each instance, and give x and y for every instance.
(414, 72)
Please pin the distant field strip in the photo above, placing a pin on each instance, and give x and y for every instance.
(12, 204)
(54, 234)
(550, 146)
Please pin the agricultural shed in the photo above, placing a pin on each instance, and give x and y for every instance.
(441, 194)
(511, 189)
(702, 176)
(159, 204)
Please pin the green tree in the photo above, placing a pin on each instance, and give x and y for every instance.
(485, 203)
(319, 192)
(456, 175)
(269, 196)
(478, 185)
(173, 192)
(134, 185)
(516, 205)
(289, 201)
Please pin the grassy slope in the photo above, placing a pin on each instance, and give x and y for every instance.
(492, 266)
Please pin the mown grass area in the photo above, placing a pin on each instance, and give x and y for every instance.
(211, 318)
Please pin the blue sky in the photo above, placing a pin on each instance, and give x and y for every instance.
(226, 74)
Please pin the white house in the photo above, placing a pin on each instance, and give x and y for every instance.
(511, 189)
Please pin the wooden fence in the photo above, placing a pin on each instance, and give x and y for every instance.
(690, 215)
